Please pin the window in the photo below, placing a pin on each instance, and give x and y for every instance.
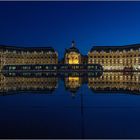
(55, 67)
(38, 67)
(12, 67)
(26, 67)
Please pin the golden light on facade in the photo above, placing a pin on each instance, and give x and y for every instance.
(72, 55)
(120, 58)
(115, 60)
(18, 56)
(73, 61)
(73, 58)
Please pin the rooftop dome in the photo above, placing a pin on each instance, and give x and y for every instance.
(73, 48)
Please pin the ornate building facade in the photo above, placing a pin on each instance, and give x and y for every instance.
(110, 58)
(72, 55)
(116, 58)
(17, 55)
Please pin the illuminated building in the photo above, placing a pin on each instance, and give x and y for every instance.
(116, 58)
(110, 58)
(20, 55)
(72, 55)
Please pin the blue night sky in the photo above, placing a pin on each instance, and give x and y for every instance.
(56, 24)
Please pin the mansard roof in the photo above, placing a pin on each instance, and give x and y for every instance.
(72, 48)
(115, 48)
(30, 49)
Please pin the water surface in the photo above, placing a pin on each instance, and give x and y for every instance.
(105, 106)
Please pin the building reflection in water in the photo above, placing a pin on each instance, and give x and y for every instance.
(73, 84)
(116, 81)
(27, 83)
(98, 82)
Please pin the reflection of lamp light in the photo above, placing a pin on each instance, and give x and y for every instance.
(74, 79)
(73, 82)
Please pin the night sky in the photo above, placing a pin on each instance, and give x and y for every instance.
(40, 24)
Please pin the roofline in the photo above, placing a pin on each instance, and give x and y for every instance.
(19, 48)
(104, 48)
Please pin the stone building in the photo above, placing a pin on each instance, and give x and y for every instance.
(116, 58)
(21, 55)
(110, 58)
(72, 55)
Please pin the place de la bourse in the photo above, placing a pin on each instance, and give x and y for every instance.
(110, 58)
(106, 68)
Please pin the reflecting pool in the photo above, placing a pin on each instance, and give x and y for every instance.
(70, 105)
